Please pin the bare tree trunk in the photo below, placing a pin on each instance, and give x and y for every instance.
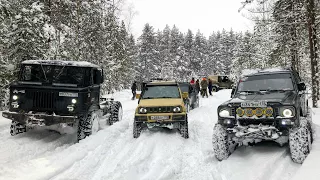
(313, 51)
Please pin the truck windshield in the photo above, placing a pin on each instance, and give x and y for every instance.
(55, 74)
(165, 91)
(268, 82)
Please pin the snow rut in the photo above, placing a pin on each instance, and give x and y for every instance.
(113, 153)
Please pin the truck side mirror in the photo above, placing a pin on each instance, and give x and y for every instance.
(302, 86)
(185, 95)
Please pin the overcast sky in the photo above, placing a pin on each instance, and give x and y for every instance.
(205, 15)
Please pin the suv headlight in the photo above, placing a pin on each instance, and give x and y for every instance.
(177, 109)
(224, 113)
(15, 97)
(74, 101)
(142, 110)
(287, 112)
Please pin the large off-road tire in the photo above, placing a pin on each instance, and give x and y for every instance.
(136, 129)
(116, 113)
(88, 124)
(184, 130)
(17, 128)
(300, 141)
(220, 142)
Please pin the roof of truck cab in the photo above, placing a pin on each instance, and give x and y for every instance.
(62, 63)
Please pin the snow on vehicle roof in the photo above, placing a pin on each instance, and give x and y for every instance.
(61, 63)
(248, 72)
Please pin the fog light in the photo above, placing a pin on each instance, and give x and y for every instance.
(285, 122)
(227, 121)
(15, 105)
(70, 108)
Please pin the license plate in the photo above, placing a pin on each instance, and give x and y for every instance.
(254, 104)
(157, 118)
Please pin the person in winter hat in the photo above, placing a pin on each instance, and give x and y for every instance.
(204, 86)
(134, 90)
(192, 81)
(210, 86)
(192, 86)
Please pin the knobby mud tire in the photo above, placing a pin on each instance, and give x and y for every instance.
(220, 142)
(17, 128)
(300, 141)
(114, 114)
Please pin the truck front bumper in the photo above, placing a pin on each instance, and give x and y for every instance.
(172, 118)
(38, 119)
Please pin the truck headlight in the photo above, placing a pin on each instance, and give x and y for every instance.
(142, 110)
(177, 109)
(74, 101)
(287, 112)
(224, 113)
(15, 97)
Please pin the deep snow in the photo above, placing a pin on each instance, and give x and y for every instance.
(113, 153)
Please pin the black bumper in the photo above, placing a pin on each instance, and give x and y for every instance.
(173, 119)
(38, 119)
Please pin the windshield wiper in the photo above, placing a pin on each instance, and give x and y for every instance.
(60, 73)
(165, 97)
(275, 90)
(44, 73)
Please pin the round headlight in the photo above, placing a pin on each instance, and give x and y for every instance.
(143, 110)
(287, 113)
(74, 101)
(224, 113)
(14, 97)
(177, 109)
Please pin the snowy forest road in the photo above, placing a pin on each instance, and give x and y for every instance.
(113, 153)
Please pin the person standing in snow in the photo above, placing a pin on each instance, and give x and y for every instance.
(210, 87)
(197, 86)
(134, 89)
(204, 86)
(192, 86)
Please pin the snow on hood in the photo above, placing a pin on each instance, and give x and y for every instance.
(247, 72)
(160, 102)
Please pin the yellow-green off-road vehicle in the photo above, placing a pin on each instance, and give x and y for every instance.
(161, 105)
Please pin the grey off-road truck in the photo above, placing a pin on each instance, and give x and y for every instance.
(60, 93)
(269, 105)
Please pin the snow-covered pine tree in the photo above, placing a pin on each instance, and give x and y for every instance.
(147, 55)
(176, 52)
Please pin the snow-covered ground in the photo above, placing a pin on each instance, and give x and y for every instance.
(113, 153)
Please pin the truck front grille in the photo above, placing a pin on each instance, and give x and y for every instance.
(43, 100)
(161, 109)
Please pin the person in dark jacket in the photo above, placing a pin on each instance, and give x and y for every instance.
(197, 86)
(134, 90)
(210, 87)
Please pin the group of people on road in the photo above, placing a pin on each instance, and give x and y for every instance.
(203, 86)
(195, 86)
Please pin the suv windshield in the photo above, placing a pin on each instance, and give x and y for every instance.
(269, 82)
(161, 91)
(55, 74)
